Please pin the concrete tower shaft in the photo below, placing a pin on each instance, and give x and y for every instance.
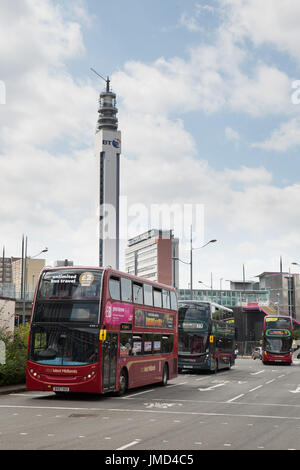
(108, 150)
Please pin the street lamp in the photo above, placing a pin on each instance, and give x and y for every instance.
(24, 273)
(201, 282)
(191, 255)
(191, 260)
(43, 251)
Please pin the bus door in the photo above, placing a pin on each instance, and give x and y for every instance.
(109, 361)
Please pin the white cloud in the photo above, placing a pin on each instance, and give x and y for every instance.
(46, 192)
(268, 22)
(189, 22)
(232, 135)
(286, 137)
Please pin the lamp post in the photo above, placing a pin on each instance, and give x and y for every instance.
(191, 260)
(201, 282)
(24, 274)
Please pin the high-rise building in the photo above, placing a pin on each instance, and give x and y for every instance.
(6, 270)
(108, 150)
(152, 255)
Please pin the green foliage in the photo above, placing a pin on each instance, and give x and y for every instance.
(14, 370)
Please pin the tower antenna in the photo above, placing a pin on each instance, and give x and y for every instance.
(107, 80)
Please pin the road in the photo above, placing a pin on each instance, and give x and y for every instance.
(252, 406)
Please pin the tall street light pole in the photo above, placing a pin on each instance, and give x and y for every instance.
(191, 260)
(192, 249)
(24, 275)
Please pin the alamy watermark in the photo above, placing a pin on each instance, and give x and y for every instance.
(2, 92)
(137, 218)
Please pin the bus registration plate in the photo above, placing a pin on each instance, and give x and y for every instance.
(61, 389)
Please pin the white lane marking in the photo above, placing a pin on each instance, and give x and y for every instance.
(130, 444)
(176, 385)
(296, 391)
(236, 398)
(256, 388)
(270, 381)
(139, 393)
(187, 413)
(256, 373)
(210, 388)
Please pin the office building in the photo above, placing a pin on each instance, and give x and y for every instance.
(151, 256)
(284, 288)
(108, 150)
(33, 268)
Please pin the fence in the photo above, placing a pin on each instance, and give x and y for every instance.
(245, 348)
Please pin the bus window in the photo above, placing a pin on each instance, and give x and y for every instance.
(138, 293)
(173, 300)
(157, 344)
(125, 344)
(126, 292)
(114, 288)
(148, 297)
(137, 345)
(167, 344)
(166, 298)
(157, 298)
(148, 343)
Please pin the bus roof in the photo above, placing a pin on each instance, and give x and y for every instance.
(114, 271)
(213, 304)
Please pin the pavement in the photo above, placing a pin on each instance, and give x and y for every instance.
(7, 389)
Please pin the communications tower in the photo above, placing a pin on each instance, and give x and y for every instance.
(108, 150)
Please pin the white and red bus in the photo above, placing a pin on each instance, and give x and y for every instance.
(97, 330)
(277, 343)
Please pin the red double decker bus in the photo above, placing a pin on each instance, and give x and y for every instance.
(277, 340)
(97, 330)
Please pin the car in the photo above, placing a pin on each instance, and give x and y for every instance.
(257, 353)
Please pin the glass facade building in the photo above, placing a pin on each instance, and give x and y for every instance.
(228, 298)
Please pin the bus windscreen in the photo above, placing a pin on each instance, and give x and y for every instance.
(71, 284)
(193, 325)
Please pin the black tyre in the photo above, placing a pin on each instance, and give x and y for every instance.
(165, 375)
(123, 383)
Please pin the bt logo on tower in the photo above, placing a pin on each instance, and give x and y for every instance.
(115, 143)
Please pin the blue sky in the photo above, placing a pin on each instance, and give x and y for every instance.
(146, 30)
(207, 116)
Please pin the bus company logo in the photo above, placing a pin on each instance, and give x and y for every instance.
(86, 279)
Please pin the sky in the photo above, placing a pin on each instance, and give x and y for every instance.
(208, 94)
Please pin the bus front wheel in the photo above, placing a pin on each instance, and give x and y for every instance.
(165, 375)
(123, 383)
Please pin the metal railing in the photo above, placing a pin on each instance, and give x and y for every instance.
(9, 291)
(245, 348)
